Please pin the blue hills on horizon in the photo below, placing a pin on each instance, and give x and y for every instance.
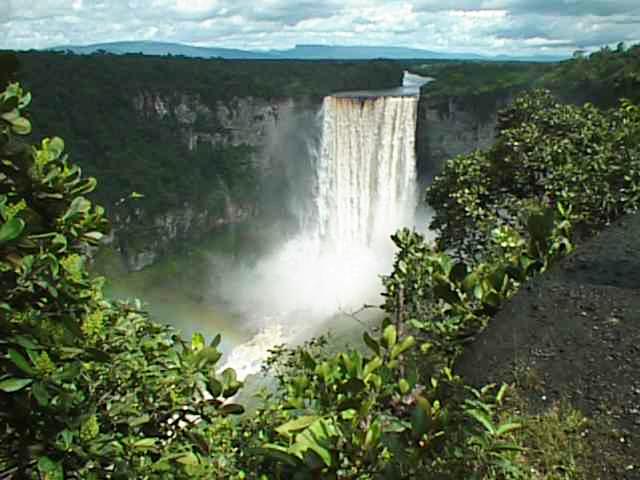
(299, 52)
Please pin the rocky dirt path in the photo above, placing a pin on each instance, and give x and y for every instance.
(576, 332)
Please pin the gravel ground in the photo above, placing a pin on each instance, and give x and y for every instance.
(576, 331)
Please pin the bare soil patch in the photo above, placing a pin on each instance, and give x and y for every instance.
(573, 334)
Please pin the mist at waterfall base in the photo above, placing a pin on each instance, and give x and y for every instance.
(362, 189)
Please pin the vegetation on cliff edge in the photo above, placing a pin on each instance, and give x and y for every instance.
(91, 388)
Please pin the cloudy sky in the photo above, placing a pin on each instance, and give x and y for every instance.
(479, 26)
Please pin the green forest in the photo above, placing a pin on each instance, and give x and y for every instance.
(93, 388)
(601, 78)
(132, 154)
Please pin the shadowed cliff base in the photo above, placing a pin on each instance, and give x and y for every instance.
(574, 334)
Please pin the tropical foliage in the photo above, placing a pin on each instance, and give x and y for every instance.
(87, 386)
(91, 388)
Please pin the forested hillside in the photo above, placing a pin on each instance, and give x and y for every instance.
(601, 78)
(137, 121)
(132, 153)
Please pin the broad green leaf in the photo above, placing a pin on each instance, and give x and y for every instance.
(371, 366)
(278, 453)
(11, 230)
(507, 427)
(79, 205)
(315, 438)
(188, 458)
(49, 469)
(216, 341)
(136, 422)
(40, 393)
(207, 356)
(232, 409)
(11, 385)
(389, 336)
(404, 386)
(372, 436)
(145, 443)
(402, 347)
(297, 424)
(215, 387)
(21, 126)
(419, 422)
(483, 419)
(197, 342)
(56, 146)
(371, 343)
(20, 362)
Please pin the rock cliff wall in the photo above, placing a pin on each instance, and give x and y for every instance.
(271, 130)
(277, 133)
(451, 126)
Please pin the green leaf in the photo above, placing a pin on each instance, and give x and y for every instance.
(215, 387)
(11, 115)
(501, 393)
(389, 336)
(296, 424)
(49, 469)
(404, 386)
(145, 443)
(79, 205)
(402, 347)
(483, 419)
(11, 385)
(371, 343)
(506, 428)
(232, 409)
(216, 341)
(21, 126)
(316, 438)
(56, 146)
(207, 356)
(372, 436)
(188, 458)
(20, 361)
(11, 229)
(197, 342)
(40, 393)
(371, 366)
(136, 422)
(419, 422)
(278, 453)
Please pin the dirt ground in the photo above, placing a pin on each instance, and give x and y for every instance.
(574, 333)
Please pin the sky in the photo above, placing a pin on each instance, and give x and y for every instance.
(488, 27)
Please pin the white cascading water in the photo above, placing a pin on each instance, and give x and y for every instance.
(365, 190)
(366, 170)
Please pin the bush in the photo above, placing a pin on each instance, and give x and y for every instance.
(88, 386)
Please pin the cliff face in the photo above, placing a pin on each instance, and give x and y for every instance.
(267, 128)
(276, 133)
(451, 126)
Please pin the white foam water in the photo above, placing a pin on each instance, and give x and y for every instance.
(365, 190)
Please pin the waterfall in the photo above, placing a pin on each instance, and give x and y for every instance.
(365, 189)
(366, 170)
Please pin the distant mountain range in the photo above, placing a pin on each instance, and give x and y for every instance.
(299, 52)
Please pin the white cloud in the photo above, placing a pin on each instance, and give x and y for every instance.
(495, 26)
